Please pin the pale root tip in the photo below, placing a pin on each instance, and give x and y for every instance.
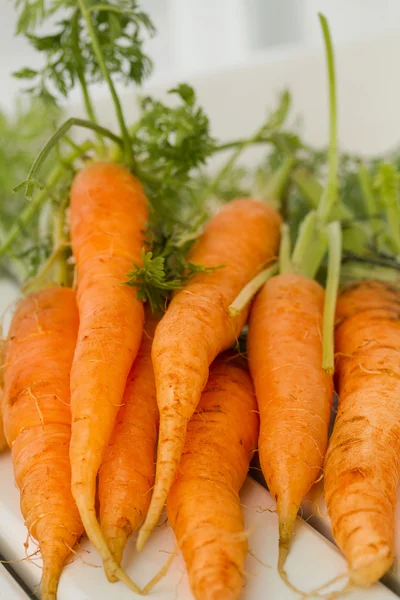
(368, 568)
(143, 536)
(285, 536)
(49, 583)
(116, 539)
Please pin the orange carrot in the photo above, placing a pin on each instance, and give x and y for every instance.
(362, 466)
(242, 237)
(203, 505)
(3, 345)
(294, 394)
(127, 473)
(37, 422)
(107, 217)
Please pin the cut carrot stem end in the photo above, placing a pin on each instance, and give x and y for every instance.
(250, 290)
(334, 233)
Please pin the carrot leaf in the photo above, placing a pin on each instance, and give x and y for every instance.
(68, 52)
(155, 279)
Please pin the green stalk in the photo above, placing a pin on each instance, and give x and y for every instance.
(239, 146)
(353, 271)
(309, 186)
(279, 179)
(30, 181)
(310, 246)
(250, 290)
(239, 143)
(33, 206)
(370, 203)
(100, 59)
(78, 60)
(285, 262)
(330, 196)
(334, 234)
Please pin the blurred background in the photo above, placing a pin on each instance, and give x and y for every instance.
(203, 36)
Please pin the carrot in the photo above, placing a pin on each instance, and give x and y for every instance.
(107, 216)
(362, 466)
(37, 422)
(127, 473)
(293, 391)
(3, 345)
(242, 237)
(3, 441)
(203, 505)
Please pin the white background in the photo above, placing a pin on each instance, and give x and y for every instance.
(200, 36)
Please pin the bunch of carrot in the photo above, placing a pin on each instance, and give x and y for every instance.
(95, 386)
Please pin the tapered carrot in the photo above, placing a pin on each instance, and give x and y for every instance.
(107, 216)
(294, 393)
(127, 473)
(37, 422)
(242, 237)
(203, 505)
(362, 466)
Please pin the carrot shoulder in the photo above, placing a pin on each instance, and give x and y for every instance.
(107, 217)
(362, 465)
(37, 422)
(242, 237)
(293, 392)
(127, 473)
(203, 505)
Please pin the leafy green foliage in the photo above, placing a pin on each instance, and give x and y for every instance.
(157, 278)
(21, 137)
(169, 143)
(68, 53)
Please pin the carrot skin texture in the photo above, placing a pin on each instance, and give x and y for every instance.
(108, 213)
(362, 466)
(243, 236)
(203, 505)
(37, 422)
(127, 473)
(294, 393)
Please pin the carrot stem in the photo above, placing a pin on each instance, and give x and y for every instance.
(285, 262)
(330, 195)
(100, 59)
(334, 234)
(370, 201)
(309, 186)
(278, 180)
(353, 270)
(250, 290)
(310, 247)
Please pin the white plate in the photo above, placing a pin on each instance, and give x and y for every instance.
(312, 562)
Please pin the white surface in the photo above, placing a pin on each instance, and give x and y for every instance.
(9, 588)
(313, 560)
